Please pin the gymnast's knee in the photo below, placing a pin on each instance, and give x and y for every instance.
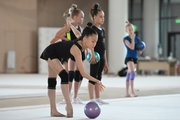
(71, 76)
(127, 77)
(77, 76)
(64, 77)
(132, 75)
(80, 77)
(52, 83)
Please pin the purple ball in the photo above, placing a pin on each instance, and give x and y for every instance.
(92, 110)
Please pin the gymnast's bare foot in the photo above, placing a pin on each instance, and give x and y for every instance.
(69, 112)
(57, 114)
(134, 95)
(127, 95)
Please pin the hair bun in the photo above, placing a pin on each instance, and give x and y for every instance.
(89, 24)
(127, 22)
(74, 6)
(96, 5)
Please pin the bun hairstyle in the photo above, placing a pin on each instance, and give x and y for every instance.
(129, 24)
(88, 31)
(72, 11)
(89, 24)
(94, 11)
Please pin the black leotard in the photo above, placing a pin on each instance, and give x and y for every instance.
(59, 50)
(73, 37)
(96, 69)
(100, 45)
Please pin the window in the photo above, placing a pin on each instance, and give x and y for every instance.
(169, 27)
(135, 16)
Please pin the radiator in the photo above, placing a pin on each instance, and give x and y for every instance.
(11, 59)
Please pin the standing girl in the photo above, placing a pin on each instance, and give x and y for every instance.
(97, 16)
(77, 16)
(131, 59)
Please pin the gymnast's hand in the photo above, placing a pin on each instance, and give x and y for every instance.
(140, 51)
(93, 59)
(69, 20)
(132, 36)
(106, 67)
(101, 86)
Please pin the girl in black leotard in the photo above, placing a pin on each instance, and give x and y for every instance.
(97, 15)
(53, 54)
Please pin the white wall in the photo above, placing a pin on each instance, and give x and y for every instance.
(151, 27)
(45, 35)
(118, 12)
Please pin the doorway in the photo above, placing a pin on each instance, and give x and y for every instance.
(173, 44)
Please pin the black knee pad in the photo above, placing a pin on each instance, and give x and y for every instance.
(52, 83)
(64, 77)
(80, 77)
(71, 76)
(98, 77)
(76, 76)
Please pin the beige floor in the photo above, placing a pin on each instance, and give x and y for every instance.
(31, 88)
(24, 97)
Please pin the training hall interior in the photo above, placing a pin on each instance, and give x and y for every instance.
(28, 26)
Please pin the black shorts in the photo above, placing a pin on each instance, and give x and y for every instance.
(135, 60)
(63, 60)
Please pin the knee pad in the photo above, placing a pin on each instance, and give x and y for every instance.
(127, 77)
(64, 77)
(132, 75)
(52, 83)
(77, 76)
(71, 76)
(80, 77)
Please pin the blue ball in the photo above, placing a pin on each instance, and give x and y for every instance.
(89, 56)
(140, 45)
(92, 110)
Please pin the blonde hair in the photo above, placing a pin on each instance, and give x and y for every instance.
(129, 24)
(72, 11)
